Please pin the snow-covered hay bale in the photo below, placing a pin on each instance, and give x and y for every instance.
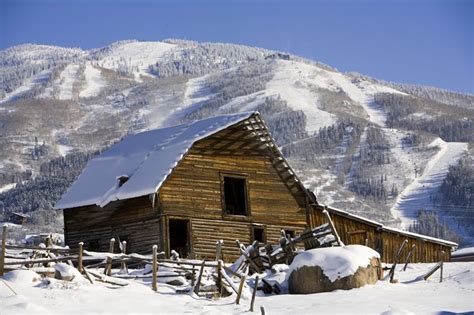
(66, 272)
(333, 268)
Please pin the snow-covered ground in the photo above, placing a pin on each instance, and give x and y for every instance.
(410, 295)
(93, 82)
(417, 195)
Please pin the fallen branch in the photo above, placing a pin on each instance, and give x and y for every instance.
(39, 260)
(107, 279)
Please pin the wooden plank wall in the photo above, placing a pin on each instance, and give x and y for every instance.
(207, 232)
(132, 220)
(425, 251)
(194, 190)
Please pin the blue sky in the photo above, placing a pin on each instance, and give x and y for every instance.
(412, 41)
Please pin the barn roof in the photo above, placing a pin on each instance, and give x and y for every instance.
(139, 164)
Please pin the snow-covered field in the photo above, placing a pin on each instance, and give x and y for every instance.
(409, 296)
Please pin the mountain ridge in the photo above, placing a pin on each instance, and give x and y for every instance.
(357, 141)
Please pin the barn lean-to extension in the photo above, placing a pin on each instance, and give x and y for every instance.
(222, 178)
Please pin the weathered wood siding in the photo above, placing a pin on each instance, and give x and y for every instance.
(132, 220)
(207, 232)
(386, 243)
(194, 190)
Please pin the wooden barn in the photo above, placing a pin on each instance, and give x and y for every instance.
(18, 218)
(223, 178)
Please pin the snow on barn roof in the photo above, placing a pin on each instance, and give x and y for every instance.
(139, 164)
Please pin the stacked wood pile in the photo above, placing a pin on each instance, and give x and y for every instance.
(259, 257)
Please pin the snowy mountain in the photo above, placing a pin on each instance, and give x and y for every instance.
(374, 148)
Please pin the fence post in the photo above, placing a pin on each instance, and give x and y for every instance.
(441, 267)
(111, 245)
(395, 260)
(124, 262)
(154, 268)
(79, 262)
(108, 268)
(241, 286)
(253, 294)
(333, 228)
(198, 283)
(193, 276)
(219, 276)
(4, 250)
(408, 257)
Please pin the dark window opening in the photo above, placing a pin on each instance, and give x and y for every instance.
(235, 196)
(259, 234)
(93, 245)
(179, 237)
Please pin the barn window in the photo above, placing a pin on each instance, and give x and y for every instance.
(259, 234)
(290, 233)
(235, 196)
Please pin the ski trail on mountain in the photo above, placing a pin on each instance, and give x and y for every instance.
(94, 82)
(66, 82)
(418, 194)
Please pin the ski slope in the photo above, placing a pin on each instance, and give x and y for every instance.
(417, 195)
(67, 79)
(93, 82)
(135, 57)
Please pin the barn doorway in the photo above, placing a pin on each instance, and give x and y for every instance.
(179, 237)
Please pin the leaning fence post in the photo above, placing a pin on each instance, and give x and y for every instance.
(253, 294)
(154, 268)
(395, 261)
(79, 259)
(4, 250)
(333, 228)
(241, 286)
(198, 283)
(408, 257)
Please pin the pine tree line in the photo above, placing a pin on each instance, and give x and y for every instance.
(450, 123)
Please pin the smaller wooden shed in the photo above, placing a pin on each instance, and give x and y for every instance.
(18, 217)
